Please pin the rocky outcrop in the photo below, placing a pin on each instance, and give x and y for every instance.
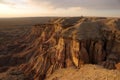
(66, 42)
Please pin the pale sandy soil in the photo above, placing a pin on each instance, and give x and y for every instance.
(86, 72)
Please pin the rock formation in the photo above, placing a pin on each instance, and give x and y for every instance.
(62, 43)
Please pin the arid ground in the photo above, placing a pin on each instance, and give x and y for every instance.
(64, 48)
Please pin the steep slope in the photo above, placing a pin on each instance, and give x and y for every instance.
(74, 47)
(66, 42)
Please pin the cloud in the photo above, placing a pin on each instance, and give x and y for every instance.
(13, 3)
(7, 2)
(61, 7)
(90, 4)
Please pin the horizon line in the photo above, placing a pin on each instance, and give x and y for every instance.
(58, 16)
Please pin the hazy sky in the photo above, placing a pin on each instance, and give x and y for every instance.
(26, 8)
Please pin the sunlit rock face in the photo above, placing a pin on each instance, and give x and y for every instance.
(66, 42)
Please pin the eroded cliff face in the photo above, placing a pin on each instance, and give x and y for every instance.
(48, 47)
(87, 42)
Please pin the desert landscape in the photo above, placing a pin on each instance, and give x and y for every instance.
(60, 48)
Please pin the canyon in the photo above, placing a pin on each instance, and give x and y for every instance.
(62, 43)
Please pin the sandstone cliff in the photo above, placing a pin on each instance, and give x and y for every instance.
(63, 43)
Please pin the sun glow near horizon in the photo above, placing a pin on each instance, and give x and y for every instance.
(31, 8)
(20, 11)
(30, 11)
